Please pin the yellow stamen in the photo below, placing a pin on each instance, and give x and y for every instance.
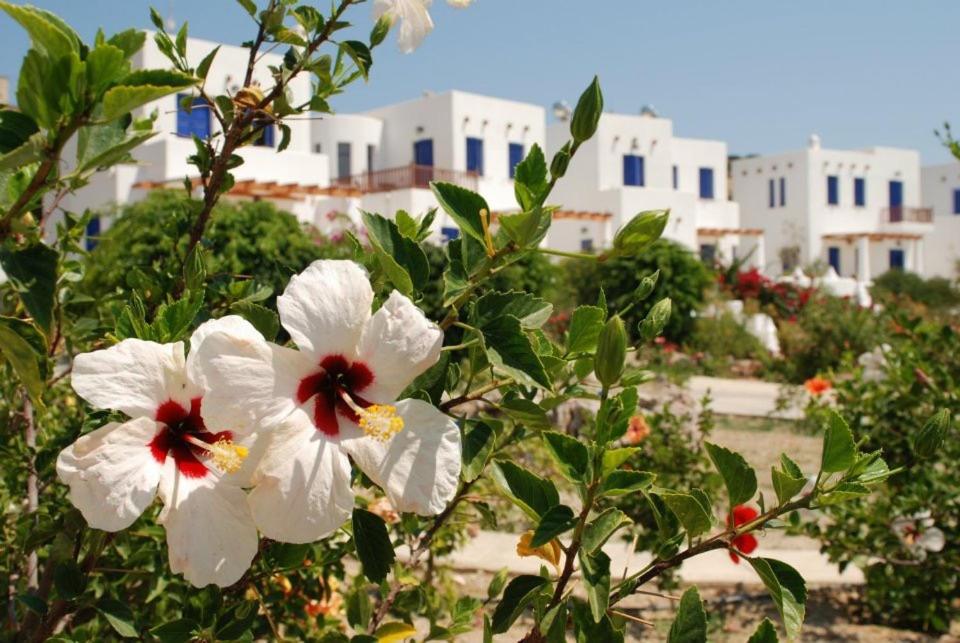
(487, 236)
(226, 456)
(379, 421)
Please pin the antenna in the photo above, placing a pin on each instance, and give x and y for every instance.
(561, 110)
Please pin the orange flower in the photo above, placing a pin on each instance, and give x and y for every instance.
(817, 385)
(637, 430)
(549, 552)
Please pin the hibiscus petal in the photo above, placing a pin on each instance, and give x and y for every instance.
(325, 307)
(232, 325)
(932, 539)
(399, 343)
(112, 474)
(303, 484)
(415, 22)
(211, 538)
(419, 467)
(134, 376)
(249, 383)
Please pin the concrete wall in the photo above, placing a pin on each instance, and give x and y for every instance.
(943, 246)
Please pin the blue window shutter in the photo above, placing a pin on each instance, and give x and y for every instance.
(833, 257)
(449, 233)
(956, 201)
(515, 153)
(475, 155)
(632, 170)
(896, 259)
(266, 138)
(783, 191)
(93, 233)
(676, 178)
(833, 190)
(859, 191)
(896, 194)
(196, 122)
(423, 152)
(706, 183)
(772, 195)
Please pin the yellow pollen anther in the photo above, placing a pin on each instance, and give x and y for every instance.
(226, 456)
(379, 421)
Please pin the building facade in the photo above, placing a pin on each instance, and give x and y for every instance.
(941, 193)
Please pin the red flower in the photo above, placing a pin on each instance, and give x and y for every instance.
(817, 385)
(744, 543)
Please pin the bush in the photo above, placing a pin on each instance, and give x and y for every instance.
(683, 279)
(906, 586)
(721, 340)
(937, 293)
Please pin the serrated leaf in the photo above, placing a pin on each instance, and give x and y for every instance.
(520, 591)
(33, 273)
(595, 569)
(586, 323)
(839, 449)
(122, 99)
(622, 481)
(570, 455)
(843, 492)
(689, 511)
(24, 348)
(478, 443)
(401, 258)
(613, 458)
(557, 520)
(373, 545)
(785, 486)
(738, 476)
(119, 616)
(510, 351)
(599, 530)
(532, 311)
(263, 319)
(787, 589)
(765, 633)
(47, 32)
(463, 206)
(533, 494)
(690, 623)
(181, 630)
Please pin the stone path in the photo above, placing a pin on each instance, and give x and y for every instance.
(744, 397)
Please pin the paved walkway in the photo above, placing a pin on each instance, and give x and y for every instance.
(744, 397)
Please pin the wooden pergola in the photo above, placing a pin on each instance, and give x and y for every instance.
(725, 232)
(257, 190)
(850, 237)
(568, 215)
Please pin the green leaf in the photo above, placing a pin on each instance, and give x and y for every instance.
(586, 116)
(130, 41)
(600, 529)
(656, 319)
(463, 206)
(525, 228)
(24, 348)
(395, 632)
(529, 414)
(69, 580)
(263, 319)
(249, 6)
(204, 67)
(531, 173)
(236, 622)
(785, 485)
(373, 545)
(641, 231)
(738, 476)
(48, 33)
(533, 494)
(787, 589)
(101, 146)
(695, 518)
(532, 311)
(520, 591)
(570, 454)
(181, 630)
(360, 54)
(16, 128)
(586, 322)
(106, 64)
(509, 350)
(33, 273)
(380, 29)
(122, 99)
(119, 616)
(613, 458)
(839, 450)
(401, 258)
(596, 579)
(478, 442)
(927, 442)
(765, 633)
(690, 623)
(843, 492)
(557, 520)
(621, 481)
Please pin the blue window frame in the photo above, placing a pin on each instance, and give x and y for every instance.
(267, 135)
(93, 233)
(515, 155)
(633, 170)
(833, 257)
(833, 190)
(956, 201)
(896, 194)
(706, 183)
(772, 193)
(344, 160)
(676, 178)
(423, 152)
(783, 191)
(896, 259)
(449, 233)
(708, 252)
(195, 122)
(586, 245)
(859, 191)
(475, 155)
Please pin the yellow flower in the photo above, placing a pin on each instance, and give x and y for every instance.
(549, 552)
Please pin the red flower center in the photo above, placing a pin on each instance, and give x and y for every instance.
(336, 379)
(179, 424)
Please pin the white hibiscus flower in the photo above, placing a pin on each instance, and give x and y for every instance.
(168, 447)
(415, 22)
(874, 363)
(333, 398)
(918, 534)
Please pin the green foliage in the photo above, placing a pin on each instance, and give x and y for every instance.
(936, 293)
(719, 341)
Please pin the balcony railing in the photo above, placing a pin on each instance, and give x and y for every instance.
(904, 214)
(408, 176)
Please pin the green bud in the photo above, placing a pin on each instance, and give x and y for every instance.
(611, 352)
(560, 162)
(640, 232)
(928, 441)
(195, 269)
(656, 319)
(586, 116)
(647, 284)
(381, 29)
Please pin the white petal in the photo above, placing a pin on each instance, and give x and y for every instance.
(232, 325)
(420, 466)
(303, 484)
(325, 307)
(249, 383)
(398, 344)
(112, 474)
(415, 23)
(134, 376)
(211, 538)
(932, 540)
(459, 4)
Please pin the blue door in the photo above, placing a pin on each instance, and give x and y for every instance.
(196, 122)
(93, 233)
(833, 257)
(896, 201)
(896, 259)
(632, 169)
(423, 152)
(475, 155)
(706, 183)
(516, 155)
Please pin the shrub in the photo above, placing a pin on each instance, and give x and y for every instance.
(722, 339)
(936, 293)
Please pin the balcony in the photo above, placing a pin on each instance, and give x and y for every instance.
(408, 176)
(904, 214)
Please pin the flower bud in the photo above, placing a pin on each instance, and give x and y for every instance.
(560, 162)
(586, 116)
(928, 441)
(656, 319)
(640, 232)
(647, 284)
(611, 352)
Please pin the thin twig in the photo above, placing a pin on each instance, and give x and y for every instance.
(636, 619)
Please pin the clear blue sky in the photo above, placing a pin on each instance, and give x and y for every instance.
(760, 74)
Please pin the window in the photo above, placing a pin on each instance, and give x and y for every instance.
(896, 259)
(317, 148)
(833, 257)
(676, 178)
(93, 233)
(370, 151)
(772, 193)
(195, 122)
(475, 155)
(833, 190)
(515, 155)
(783, 191)
(708, 252)
(449, 233)
(706, 183)
(423, 152)
(266, 137)
(632, 169)
(343, 160)
(586, 245)
(859, 191)
(956, 201)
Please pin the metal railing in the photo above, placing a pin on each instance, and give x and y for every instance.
(408, 176)
(904, 214)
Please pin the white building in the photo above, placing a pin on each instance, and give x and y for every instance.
(941, 193)
(858, 211)
(635, 163)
